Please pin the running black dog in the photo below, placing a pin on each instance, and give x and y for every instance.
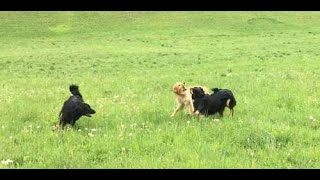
(74, 108)
(211, 104)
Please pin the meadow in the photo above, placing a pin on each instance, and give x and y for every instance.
(126, 63)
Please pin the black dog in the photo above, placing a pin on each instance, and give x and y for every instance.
(227, 98)
(211, 104)
(74, 108)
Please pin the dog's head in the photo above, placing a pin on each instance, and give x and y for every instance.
(197, 92)
(179, 88)
(86, 110)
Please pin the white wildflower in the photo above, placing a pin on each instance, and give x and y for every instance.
(90, 134)
(6, 162)
(312, 118)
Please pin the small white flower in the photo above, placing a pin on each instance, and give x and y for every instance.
(130, 134)
(159, 129)
(38, 127)
(123, 149)
(188, 122)
(86, 129)
(93, 130)
(79, 130)
(311, 118)
(10, 137)
(2, 127)
(6, 162)
(216, 120)
(90, 134)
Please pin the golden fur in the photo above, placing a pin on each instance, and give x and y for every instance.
(183, 97)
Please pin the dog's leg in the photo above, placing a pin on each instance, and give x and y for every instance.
(73, 122)
(179, 108)
(191, 108)
(221, 113)
(199, 115)
(62, 123)
(197, 112)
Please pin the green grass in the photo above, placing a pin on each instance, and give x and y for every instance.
(126, 63)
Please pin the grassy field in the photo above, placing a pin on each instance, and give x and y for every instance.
(125, 64)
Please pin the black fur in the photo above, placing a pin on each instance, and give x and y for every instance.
(214, 103)
(225, 95)
(74, 108)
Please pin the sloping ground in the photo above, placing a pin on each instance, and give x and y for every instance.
(43, 24)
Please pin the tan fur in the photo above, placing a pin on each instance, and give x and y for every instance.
(184, 98)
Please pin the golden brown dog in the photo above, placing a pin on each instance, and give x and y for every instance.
(183, 97)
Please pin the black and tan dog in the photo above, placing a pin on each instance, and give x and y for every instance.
(74, 108)
(227, 98)
(215, 103)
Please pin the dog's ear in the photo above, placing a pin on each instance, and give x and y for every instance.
(175, 89)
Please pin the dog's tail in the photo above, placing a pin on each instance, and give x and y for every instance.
(231, 102)
(74, 89)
